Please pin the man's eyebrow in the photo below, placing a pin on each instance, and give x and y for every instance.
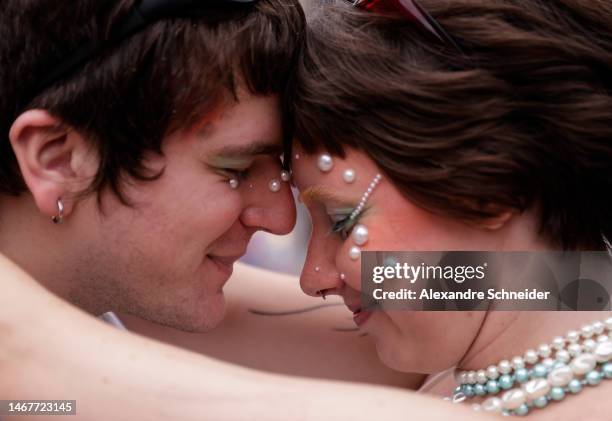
(262, 147)
(320, 194)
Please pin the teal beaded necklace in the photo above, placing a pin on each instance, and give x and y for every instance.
(581, 359)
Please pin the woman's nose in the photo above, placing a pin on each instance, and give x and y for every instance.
(319, 274)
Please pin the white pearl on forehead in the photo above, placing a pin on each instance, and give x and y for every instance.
(274, 185)
(234, 183)
(285, 176)
(354, 253)
(325, 162)
(360, 234)
(348, 175)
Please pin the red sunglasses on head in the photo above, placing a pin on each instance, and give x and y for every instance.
(411, 10)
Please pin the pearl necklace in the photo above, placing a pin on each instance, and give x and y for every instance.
(579, 360)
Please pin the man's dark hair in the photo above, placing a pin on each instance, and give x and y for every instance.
(130, 96)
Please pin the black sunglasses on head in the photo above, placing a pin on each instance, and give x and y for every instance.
(143, 14)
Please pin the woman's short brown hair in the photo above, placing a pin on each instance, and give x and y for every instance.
(158, 81)
(522, 118)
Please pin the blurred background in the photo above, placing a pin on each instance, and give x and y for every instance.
(284, 253)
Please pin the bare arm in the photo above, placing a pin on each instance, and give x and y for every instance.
(50, 350)
(272, 325)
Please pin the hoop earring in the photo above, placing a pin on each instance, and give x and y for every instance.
(59, 218)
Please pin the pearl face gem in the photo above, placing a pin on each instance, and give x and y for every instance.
(360, 235)
(325, 162)
(285, 176)
(274, 186)
(234, 183)
(348, 176)
(354, 253)
(342, 276)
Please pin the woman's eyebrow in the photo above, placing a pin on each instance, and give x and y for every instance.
(321, 194)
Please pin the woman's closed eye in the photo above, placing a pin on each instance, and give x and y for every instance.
(342, 223)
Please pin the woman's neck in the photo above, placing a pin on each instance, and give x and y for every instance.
(506, 334)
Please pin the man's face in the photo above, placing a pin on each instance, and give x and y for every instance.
(167, 257)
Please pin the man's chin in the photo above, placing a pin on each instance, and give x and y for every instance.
(194, 317)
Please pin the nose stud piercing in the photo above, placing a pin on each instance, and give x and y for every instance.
(234, 183)
(325, 162)
(274, 185)
(59, 218)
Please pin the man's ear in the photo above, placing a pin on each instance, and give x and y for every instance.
(55, 161)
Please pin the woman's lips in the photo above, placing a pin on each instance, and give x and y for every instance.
(361, 316)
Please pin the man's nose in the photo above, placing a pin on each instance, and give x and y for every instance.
(270, 205)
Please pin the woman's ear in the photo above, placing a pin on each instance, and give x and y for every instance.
(496, 222)
(55, 161)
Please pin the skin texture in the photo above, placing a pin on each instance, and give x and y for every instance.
(168, 256)
(145, 380)
(322, 343)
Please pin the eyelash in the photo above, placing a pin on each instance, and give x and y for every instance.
(343, 226)
(238, 174)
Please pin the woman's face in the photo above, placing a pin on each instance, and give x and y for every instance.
(405, 340)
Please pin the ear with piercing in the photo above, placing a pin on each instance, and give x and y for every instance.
(59, 218)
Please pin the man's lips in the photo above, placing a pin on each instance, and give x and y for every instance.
(225, 263)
